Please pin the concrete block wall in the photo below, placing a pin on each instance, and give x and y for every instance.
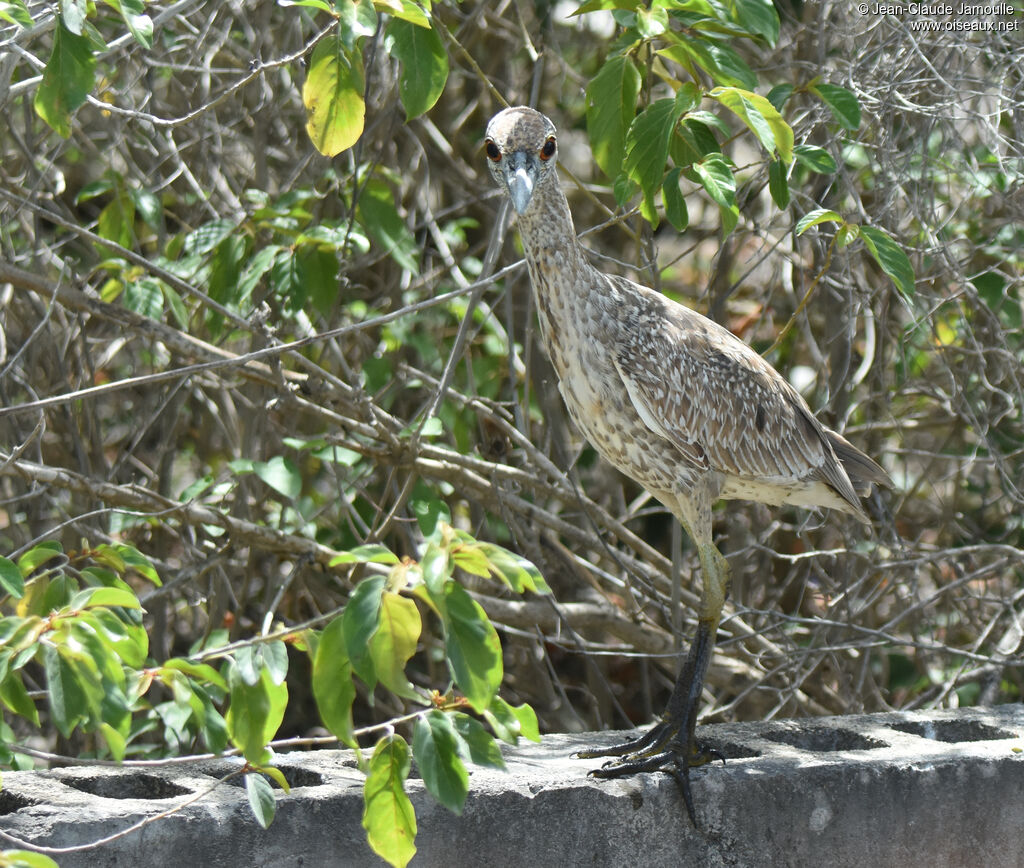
(904, 789)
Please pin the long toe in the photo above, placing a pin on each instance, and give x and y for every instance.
(635, 764)
(675, 757)
(680, 770)
(651, 742)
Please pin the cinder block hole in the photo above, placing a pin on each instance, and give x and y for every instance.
(133, 786)
(300, 777)
(952, 730)
(823, 739)
(729, 749)
(295, 775)
(11, 802)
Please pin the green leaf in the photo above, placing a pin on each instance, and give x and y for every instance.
(428, 507)
(647, 143)
(436, 567)
(511, 721)
(372, 553)
(333, 688)
(813, 218)
(761, 118)
(514, 570)
(675, 205)
(758, 17)
(255, 713)
(717, 179)
(213, 727)
(250, 664)
(275, 658)
(277, 776)
(693, 139)
(205, 238)
(90, 598)
(98, 669)
(38, 555)
(67, 80)
(468, 555)
(847, 234)
(611, 105)
(394, 642)
(73, 13)
(407, 10)
(377, 212)
(17, 634)
(472, 646)
(435, 745)
(361, 619)
(10, 578)
(16, 12)
(724, 64)
(226, 268)
(779, 95)
(202, 671)
(624, 189)
(281, 474)
(594, 5)
(254, 269)
(891, 257)
(94, 189)
(721, 62)
(145, 296)
(135, 560)
(843, 104)
(388, 815)
(316, 270)
(27, 859)
(356, 18)
(140, 25)
(333, 97)
(483, 750)
(15, 697)
(67, 693)
(778, 185)
(816, 159)
(424, 65)
(129, 641)
(116, 742)
(261, 798)
(322, 5)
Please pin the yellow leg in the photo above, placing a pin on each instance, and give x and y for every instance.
(670, 745)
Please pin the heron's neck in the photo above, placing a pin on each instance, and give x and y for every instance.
(549, 239)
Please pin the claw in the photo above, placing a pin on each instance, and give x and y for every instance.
(676, 760)
(652, 741)
(669, 746)
(681, 772)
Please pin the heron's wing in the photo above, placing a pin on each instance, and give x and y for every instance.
(648, 397)
(700, 387)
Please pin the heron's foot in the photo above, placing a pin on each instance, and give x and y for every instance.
(655, 740)
(660, 749)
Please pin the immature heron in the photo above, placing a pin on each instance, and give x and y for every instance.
(674, 401)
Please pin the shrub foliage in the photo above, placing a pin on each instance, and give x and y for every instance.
(283, 465)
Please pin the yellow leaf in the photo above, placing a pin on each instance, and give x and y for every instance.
(333, 97)
(394, 642)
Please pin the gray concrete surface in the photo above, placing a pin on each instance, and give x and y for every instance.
(907, 789)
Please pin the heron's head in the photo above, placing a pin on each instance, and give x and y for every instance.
(520, 147)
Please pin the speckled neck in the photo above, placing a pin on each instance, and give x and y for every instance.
(547, 228)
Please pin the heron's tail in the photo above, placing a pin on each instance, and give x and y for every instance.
(863, 472)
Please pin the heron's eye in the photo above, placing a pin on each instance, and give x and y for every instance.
(548, 151)
(493, 152)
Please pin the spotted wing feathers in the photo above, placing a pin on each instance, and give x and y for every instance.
(702, 389)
